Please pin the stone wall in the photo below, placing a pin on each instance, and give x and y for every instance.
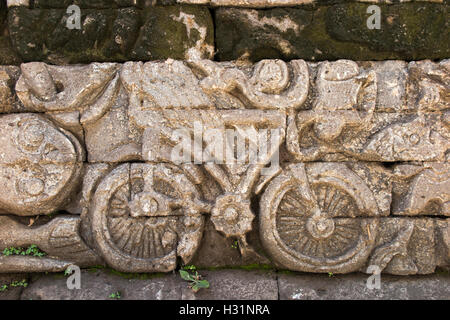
(119, 31)
(355, 168)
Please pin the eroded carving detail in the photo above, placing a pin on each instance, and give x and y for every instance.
(314, 216)
(271, 84)
(369, 137)
(384, 254)
(422, 189)
(429, 85)
(144, 216)
(231, 212)
(59, 239)
(40, 164)
(407, 246)
(343, 124)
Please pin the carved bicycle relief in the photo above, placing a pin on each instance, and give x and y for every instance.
(142, 209)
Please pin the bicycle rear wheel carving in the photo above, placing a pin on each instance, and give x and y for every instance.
(320, 222)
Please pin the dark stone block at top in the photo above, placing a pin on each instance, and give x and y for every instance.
(87, 4)
(409, 31)
(2, 11)
(7, 54)
(112, 35)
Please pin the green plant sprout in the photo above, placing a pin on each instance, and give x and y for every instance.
(195, 280)
(68, 271)
(22, 283)
(32, 250)
(115, 295)
(189, 268)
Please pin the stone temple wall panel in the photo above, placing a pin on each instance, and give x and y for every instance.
(355, 170)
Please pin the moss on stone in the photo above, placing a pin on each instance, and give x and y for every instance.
(89, 4)
(409, 31)
(108, 35)
(413, 30)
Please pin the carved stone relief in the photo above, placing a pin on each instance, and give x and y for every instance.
(144, 216)
(343, 124)
(422, 189)
(59, 239)
(98, 141)
(320, 221)
(40, 164)
(429, 85)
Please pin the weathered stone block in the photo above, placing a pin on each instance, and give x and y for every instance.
(422, 189)
(409, 31)
(16, 3)
(238, 284)
(354, 287)
(443, 243)
(391, 79)
(88, 4)
(101, 283)
(39, 164)
(429, 86)
(388, 137)
(59, 238)
(7, 54)
(346, 111)
(284, 3)
(8, 78)
(112, 34)
(405, 246)
(141, 209)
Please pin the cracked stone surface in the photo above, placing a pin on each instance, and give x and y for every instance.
(241, 285)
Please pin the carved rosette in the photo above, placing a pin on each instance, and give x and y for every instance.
(39, 165)
(314, 223)
(232, 215)
(144, 216)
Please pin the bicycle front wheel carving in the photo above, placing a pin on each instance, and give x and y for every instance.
(144, 217)
(320, 221)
